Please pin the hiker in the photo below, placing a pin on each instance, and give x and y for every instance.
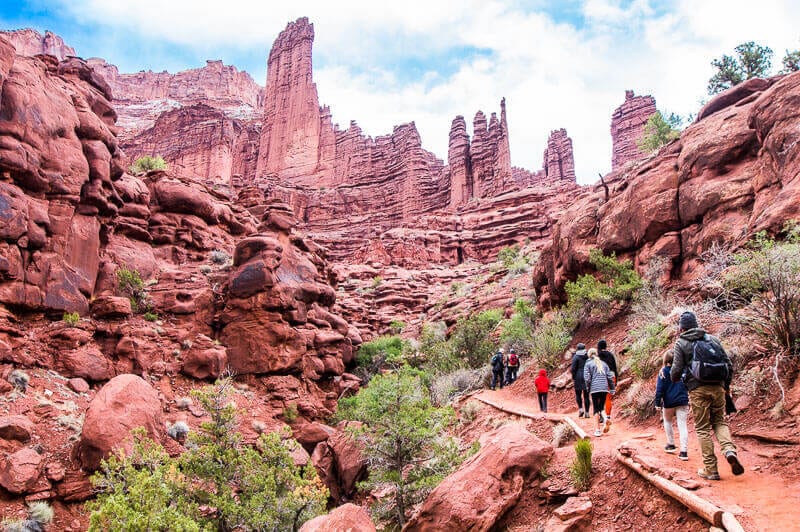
(607, 357)
(542, 387)
(581, 392)
(672, 399)
(599, 382)
(512, 366)
(498, 363)
(702, 363)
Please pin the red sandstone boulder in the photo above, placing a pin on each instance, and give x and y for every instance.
(205, 359)
(126, 402)
(78, 385)
(339, 462)
(487, 485)
(575, 515)
(108, 306)
(86, 362)
(16, 427)
(21, 470)
(345, 518)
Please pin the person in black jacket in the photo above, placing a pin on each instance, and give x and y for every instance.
(581, 393)
(672, 399)
(608, 357)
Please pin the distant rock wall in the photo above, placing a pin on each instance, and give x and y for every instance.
(30, 43)
(627, 128)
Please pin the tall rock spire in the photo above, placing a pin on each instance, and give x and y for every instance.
(627, 127)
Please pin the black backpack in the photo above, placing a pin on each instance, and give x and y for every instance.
(497, 361)
(709, 363)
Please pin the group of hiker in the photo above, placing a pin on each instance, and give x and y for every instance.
(696, 375)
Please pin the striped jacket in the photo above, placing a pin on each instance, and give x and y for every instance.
(597, 376)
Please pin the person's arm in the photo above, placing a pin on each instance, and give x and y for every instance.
(587, 375)
(677, 364)
(660, 385)
(728, 362)
(573, 369)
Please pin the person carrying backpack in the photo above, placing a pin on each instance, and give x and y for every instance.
(498, 364)
(581, 391)
(672, 399)
(599, 382)
(513, 366)
(702, 363)
(608, 357)
(542, 387)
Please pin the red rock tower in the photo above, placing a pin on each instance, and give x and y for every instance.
(627, 127)
(558, 161)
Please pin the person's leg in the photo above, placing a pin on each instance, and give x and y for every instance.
(609, 401)
(586, 401)
(494, 379)
(544, 401)
(668, 414)
(579, 400)
(718, 422)
(700, 400)
(682, 413)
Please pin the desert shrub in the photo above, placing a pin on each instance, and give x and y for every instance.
(40, 514)
(290, 413)
(71, 318)
(471, 337)
(550, 339)
(659, 131)
(508, 255)
(150, 316)
(130, 284)
(459, 289)
(639, 401)
(390, 348)
(145, 164)
(219, 257)
(376, 281)
(470, 411)
(594, 296)
(178, 430)
(397, 326)
(581, 468)
(518, 330)
(251, 487)
(644, 354)
(19, 380)
(445, 387)
(562, 433)
(754, 382)
(401, 436)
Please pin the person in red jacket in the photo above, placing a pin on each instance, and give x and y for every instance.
(542, 387)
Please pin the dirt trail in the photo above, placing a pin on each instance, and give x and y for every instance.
(762, 500)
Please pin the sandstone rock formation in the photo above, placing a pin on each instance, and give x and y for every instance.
(345, 518)
(20, 470)
(627, 127)
(477, 495)
(728, 176)
(559, 162)
(30, 42)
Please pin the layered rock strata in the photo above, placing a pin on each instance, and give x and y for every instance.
(30, 42)
(627, 128)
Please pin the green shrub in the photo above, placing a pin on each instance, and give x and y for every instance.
(659, 131)
(508, 255)
(389, 349)
(145, 164)
(438, 355)
(71, 318)
(644, 354)
(470, 411)
(447, 386)
(130, 284)
(594, 296)
(397, 326)
(376, 281)
(402, 437)
(251, 487)
(150, 316)
(550, 339)
(471, 337)
(581, 468)
(518, 330)
(290, 413)
(219, 257)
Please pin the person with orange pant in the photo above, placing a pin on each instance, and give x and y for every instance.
(608, 357)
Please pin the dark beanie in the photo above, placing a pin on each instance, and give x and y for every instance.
(581, 346)
(602, 344)
(688, 321)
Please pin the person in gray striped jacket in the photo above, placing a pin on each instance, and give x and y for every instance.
(600, 382)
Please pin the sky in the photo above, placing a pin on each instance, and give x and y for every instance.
(558, 63)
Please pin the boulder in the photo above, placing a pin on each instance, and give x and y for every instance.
(205, 363)
(487, 485)
(125, 402)
(575, 515)
(78, 385)
(21, 470)
(16, 427)
(345, 518)
(108, 306)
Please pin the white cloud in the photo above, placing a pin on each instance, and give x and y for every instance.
(554, 70)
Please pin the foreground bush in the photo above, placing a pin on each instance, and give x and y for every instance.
(218, 484)
(402, 437)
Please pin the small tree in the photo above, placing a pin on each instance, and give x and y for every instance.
(148, 163)
(659, 131)
(752, 61)
(615, 283)
(471, 339)
(402, 436)
(791, 62)
(130, 283)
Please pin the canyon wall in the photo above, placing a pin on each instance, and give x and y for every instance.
(627, 127)
(30, 43)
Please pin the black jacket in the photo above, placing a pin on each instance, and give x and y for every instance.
(578, 362)
(608, 358)
(683, 354)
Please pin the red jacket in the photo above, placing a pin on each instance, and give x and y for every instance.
(542, 382)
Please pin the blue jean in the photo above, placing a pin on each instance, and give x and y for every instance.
(497, 378)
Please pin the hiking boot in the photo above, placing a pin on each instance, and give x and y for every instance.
(580, 413)
(598, 433)
(683, 456)
(736, 467)
(706, 475)
(606, 426)
(670, 449)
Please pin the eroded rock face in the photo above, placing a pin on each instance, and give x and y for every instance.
(559, 162)
(627, 127)
(727, 177)
(30, 42)
(477, 495)
(125, 403)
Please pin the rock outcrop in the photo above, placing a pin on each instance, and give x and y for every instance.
(727, 177)
(30, 42)
(345, 518)
(559, 161)
(487, 485)
(627, 128)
